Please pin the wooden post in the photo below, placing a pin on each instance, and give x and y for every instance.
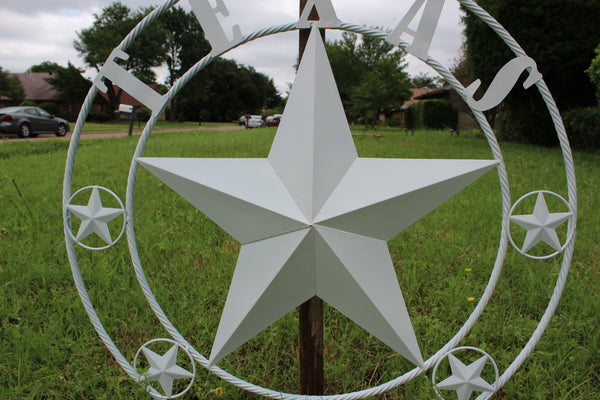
(310, 314)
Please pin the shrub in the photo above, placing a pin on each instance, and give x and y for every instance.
(28, 103)
(432, 114)
(49, 107)
(100, 117)
(583, 127)
(144, 114)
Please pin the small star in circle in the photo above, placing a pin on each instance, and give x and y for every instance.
(541, 225)
(466, 379)
(164, 369)
(94, 218)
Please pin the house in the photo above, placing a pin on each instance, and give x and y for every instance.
(416, 92)
(466, 121)
(35, 88)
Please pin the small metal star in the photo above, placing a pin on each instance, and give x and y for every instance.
(94, 218)
(541, 225)
(164, 369)
(466, 379)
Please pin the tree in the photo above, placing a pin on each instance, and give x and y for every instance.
(594, 71)
(97, 42)
(369, 74)
(185, 44)
(385, 87)
(425, 81)
(10, 86)
(71, 86)
(224, 90)
(560, 36)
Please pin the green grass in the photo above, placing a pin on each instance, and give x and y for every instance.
(49, 349)
(124, 125)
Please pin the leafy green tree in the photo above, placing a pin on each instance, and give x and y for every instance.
(224, 90)
(386, 86)
(186, 45)
(425, 81)
(594, 71)
(46, 66)
(109, 28)
(10, 86)
(369, 74)
(560, 36)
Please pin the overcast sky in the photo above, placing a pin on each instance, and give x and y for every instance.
(33, 31)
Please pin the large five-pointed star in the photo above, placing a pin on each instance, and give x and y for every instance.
(164, 369)
(94, 218)
(541, 225)
(466, 379)
(313, 218)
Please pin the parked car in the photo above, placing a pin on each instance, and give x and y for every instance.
(255, 121)
(273, 120)
(30, 121)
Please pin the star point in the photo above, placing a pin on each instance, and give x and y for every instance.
(541, 225)
(94, 217)
(466, 379)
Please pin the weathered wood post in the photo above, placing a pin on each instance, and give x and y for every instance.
(310, 314)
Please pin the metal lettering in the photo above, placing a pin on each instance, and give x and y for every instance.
(215, 34)
(327, 15)
(129, 83)
(423, 36)
(503, 83)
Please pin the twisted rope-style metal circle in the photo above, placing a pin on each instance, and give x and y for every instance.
(444, 72)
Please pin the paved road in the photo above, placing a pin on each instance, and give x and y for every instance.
(107, 134)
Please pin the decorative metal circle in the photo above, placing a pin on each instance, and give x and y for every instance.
(67, 212)
(153, 392)
(464, 348)
(570, 231)
(505, 193)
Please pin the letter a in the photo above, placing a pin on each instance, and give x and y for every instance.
(327, 16)
(503, 83)
(423, 36)
(207, 16)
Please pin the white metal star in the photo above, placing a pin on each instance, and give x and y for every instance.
(541, 225)
(94, 218)
(313, 218)
(164, 369)
(466, 379)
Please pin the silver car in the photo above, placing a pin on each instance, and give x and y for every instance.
(30, 121)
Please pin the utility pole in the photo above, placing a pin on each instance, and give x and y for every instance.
(310, 314)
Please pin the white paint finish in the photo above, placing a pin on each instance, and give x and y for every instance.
(243, 196)
(355, 275)
(313, 147)
(271, 278)
(504, 81)
(380, 198)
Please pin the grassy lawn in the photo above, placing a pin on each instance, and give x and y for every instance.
(49, 349)
(124, 125)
